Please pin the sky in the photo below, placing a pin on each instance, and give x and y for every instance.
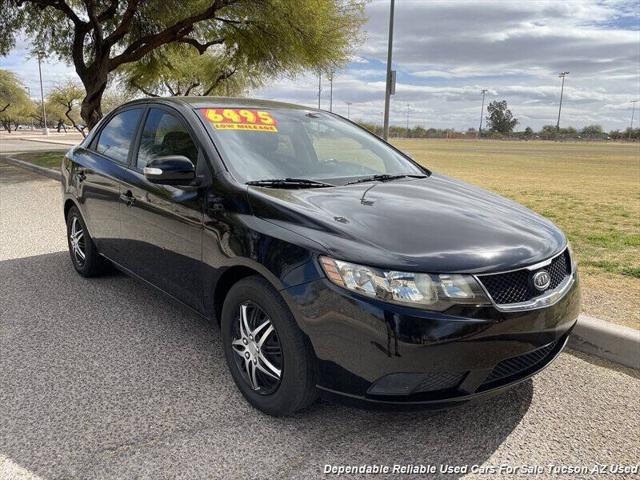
(446, 51)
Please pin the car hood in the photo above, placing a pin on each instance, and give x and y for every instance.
(435, 224)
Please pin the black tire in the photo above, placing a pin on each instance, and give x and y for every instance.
(93, 263)
(296, 389)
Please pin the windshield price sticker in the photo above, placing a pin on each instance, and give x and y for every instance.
(240, 119)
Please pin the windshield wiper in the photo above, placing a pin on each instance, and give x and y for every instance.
(385, 177)
(289, 183)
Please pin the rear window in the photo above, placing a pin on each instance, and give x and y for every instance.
(117, 135)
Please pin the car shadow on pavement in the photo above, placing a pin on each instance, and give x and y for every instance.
(107, 378)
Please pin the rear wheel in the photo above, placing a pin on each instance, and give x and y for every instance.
(268, 356)
(84, 255)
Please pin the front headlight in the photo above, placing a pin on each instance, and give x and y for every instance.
(433, 291)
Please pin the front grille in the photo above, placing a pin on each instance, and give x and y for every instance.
(513, 366)
(439, 381)
(516, 286)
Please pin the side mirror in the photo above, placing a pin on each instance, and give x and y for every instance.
(170, 170)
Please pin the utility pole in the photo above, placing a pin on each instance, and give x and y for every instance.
(562, 75)
(484, 92)
(349, 109)
(387, 93)
(633, 111)
(45, 131)
(408, 107)
(29, 93)
(319, 86)
(331, 91)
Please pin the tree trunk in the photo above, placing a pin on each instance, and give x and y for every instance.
(73, 122)
(95, 83)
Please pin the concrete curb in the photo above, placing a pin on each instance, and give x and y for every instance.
(47, 172)
(591, 335)
(65, 143)
(617, 343)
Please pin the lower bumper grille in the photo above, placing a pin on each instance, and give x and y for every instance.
(513, 366)
(439, 381)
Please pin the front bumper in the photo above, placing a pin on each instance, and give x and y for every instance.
(383, 353)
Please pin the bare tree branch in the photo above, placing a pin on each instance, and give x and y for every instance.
(191, 87)
(222, 77)
(180, 29)
(60, 5)
(201, 47)
(5, 107)
(168, 87)
(122, 29)
(109, 11)
(148, 93)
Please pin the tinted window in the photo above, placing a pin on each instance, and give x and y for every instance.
(164, 134)
(116, 137)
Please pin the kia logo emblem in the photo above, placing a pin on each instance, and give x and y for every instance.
(541, 280)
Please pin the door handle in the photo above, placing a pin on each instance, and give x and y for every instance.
(128, 198)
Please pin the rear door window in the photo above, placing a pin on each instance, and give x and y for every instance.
(118, 134)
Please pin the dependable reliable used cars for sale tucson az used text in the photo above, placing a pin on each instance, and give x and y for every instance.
(332, 261)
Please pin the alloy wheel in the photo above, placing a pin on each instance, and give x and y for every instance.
(77, 241)
(257, 348)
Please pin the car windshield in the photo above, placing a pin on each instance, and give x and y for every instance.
(290, 144)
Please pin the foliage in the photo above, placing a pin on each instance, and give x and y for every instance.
(500, 118)
(98, 38)
(548, 132)
(592, 130)
(179, 69)
(64, 102)
(15, 104)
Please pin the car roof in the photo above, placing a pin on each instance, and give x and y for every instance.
(209, 102)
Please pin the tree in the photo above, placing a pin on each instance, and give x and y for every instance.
(177, 70)
(592, 131)
(500, 118)
(68, 96)
(114, 96)
(98, 38)
(15, 104)
(528, 132)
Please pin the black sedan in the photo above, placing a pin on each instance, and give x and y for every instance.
(332, 261)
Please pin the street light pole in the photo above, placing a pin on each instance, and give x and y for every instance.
(562, 75)
(484, 92)
(331, 91)
(633, 111)
(349, 109)
(45, 131)
(387, 93)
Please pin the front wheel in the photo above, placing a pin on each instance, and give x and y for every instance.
(268, 356)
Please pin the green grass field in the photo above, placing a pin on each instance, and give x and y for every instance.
(44, 159)
(590, 190)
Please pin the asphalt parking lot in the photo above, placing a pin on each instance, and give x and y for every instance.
(106, 378)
